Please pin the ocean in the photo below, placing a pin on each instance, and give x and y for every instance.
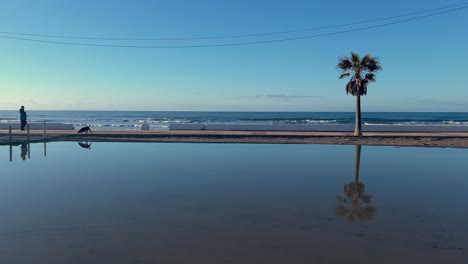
(160, 120)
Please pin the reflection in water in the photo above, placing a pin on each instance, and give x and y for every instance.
(24, 151)
(85, 145)
(233, 203)
(358, 203)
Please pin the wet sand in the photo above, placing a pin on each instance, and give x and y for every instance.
(424, 139)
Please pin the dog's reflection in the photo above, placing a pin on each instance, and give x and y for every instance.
(85, 145)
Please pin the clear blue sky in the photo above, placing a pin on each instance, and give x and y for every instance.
(424, 61)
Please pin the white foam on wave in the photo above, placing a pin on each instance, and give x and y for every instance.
(456, 123)
(321, 121)
(420, 123)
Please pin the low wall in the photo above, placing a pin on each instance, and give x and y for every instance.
(39, 126)
(321, 128)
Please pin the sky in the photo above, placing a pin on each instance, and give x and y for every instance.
(424, 61)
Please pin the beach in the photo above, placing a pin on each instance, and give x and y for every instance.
(221, 132)
(438, 129)
(417, 139)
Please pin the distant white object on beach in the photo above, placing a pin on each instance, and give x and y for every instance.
(39, 126)
(145, 127)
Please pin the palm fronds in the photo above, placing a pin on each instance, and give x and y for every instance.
(372, 64)
(370, 77)
(355, 59)
(344, 75)
(360, 70)
(344, 64)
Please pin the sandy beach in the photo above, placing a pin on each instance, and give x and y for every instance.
(420, 139)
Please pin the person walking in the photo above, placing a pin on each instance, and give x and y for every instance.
(23, 117)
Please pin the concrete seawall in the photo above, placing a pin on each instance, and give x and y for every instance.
(426, 139)
(316, 128)
(39, 126)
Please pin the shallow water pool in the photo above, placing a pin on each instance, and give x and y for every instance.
(232, 203)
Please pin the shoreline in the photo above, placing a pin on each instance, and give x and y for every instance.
(409, 139)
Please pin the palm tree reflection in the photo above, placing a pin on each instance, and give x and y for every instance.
(358, 203)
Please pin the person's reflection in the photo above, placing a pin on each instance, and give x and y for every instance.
(358, 203)
(24, 151)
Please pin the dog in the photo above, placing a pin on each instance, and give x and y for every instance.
(85, 129)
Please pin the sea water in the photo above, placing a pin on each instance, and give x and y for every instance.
(160, 120)
(232, 203)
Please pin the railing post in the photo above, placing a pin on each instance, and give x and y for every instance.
(9, 132)
(44, 130)
(28, 131)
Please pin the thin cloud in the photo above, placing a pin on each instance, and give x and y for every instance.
(436, 102)
(283, 97)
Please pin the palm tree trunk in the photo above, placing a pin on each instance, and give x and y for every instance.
(357, 162)
(357, 129)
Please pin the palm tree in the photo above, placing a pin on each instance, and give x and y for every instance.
(362, 72)
(358, 203)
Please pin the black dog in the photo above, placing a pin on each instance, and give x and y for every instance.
(85, 129)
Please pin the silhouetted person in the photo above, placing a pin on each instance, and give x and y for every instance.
(24, 151)
(23, 117)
